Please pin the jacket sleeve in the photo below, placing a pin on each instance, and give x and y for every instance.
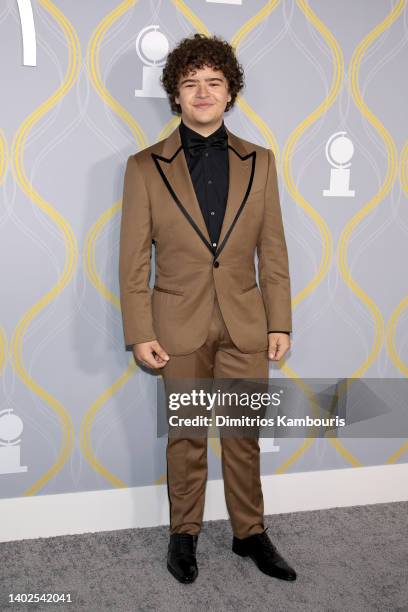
(273, 264)
(135, 253)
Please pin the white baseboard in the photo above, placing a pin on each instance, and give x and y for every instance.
(93, 511)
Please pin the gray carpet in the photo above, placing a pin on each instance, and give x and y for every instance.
(347, 559)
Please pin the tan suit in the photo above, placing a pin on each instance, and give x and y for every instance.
(206, 309)
(160, 204)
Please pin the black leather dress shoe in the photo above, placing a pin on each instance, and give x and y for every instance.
(264, 554)
(181, 556)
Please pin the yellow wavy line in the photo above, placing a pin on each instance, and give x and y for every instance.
(404, 169)
(191, 17)
(403, 304)
(393, 458)
(338, 75)
(94, 70)
(253, 21)
(391, 333)
(3, 349)
(89, 263)
(18, 147)
(88, 255)
(3, 156)
(88, 421)
(397, 313)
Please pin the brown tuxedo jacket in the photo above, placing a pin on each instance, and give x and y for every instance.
(160, 205)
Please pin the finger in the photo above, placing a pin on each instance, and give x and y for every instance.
(148, 361)
(160, 361)
(152, 360)
(282, 349)
(160, 352)
(272, 350)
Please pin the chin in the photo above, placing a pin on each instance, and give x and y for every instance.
(205, 117)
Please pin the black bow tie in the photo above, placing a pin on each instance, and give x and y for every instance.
(199, 143)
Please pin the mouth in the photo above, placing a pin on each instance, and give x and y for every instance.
(203, 106)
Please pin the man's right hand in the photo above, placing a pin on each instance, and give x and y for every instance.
(150, 354)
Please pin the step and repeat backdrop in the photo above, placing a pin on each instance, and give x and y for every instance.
(80, 92)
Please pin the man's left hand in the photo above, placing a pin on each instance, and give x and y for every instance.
(279, 344)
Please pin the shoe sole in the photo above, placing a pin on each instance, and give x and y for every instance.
(182, 580)
(244, 554)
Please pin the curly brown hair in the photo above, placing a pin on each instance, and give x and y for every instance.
(195, 52)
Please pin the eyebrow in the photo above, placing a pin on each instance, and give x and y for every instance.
(195, 80)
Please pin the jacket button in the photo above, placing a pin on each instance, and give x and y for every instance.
(216, 264)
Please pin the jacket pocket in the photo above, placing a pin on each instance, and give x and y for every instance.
(171, 291)
(249, 288)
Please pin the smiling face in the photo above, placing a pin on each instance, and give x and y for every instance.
(203, 96)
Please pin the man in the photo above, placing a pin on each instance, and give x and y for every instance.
(207, 199)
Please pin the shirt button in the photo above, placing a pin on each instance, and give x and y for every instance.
(216, 264)
(214, 244)
(213, 212)
(206, 154)
(210, 182)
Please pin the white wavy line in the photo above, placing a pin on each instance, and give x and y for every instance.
(51, 25)
(7, 11)
(113, 418)
(155, 10)
(248, 128)
(268, 46)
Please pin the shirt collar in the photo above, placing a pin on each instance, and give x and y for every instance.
(186, 133)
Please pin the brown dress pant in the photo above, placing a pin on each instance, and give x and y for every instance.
(187, 470)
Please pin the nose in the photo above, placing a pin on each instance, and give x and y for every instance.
(202, 90)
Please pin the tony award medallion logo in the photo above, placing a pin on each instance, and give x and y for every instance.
(339, 151)
(11, 427)
(152, 47)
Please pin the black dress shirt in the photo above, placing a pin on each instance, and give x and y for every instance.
(209, 171)
(209, 174)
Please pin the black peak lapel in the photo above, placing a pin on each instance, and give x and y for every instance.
(172, 166)
(241, 174)
(173, 169)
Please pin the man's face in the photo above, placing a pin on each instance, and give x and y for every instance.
(203, 96)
